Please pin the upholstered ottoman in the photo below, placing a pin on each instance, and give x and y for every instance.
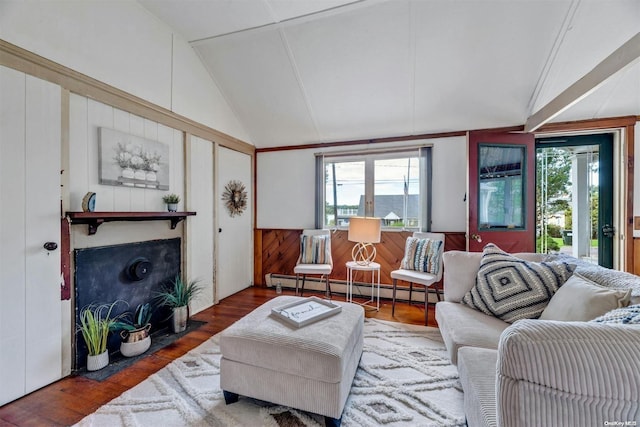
(309, 368)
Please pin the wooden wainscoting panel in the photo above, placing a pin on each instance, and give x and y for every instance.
(455, 241)
(636, 257)
(280, 250)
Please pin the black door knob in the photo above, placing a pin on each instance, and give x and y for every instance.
(50, 246)
(219, 230)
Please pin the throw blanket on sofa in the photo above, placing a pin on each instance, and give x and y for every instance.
(604, 276)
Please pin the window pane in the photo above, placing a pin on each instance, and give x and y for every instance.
(388, 185)
(344, 191)
(501, 201)
(397, 192)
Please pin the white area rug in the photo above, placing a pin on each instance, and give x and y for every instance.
(404, 378)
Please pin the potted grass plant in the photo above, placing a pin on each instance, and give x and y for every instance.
(177, 297)
(135, 332)
(96, 321)
(172, 201)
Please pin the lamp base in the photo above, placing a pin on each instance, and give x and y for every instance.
(363, 253)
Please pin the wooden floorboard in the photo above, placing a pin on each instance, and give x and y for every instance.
(67, 401)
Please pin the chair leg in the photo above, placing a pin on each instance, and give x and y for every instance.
(297, 277)
(393, 304)
(410, 292)
(304, 276)
(426, 306)
(328, 289)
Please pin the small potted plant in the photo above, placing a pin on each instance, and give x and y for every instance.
(177, 297)
(172, 201)
(135, 333)
(96, 322)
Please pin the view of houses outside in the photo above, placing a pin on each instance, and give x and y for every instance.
(395, 183)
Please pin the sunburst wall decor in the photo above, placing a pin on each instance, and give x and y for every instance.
(235, 197)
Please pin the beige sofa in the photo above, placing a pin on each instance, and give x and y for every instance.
(540, 372)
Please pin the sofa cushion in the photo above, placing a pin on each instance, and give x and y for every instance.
(625, 316)
(581, 299)
(477, 369)
(511, 288)
(462, 326)
(422, 255)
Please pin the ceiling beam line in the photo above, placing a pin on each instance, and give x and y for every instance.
(287, 21)
(621, 58)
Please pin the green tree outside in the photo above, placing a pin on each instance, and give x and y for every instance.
(553, 180)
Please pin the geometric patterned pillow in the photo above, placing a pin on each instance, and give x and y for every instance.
(422, 255)
(315, 249)
(621, 316)
(511, 288)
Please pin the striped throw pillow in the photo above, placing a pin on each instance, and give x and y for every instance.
(315, 249)
(422, 255)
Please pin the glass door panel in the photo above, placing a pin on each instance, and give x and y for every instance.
(574, 197)
(500, 173)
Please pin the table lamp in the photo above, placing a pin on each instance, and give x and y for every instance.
(365, 231)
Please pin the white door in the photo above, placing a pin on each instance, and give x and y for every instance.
(234, 269)
(30, 306)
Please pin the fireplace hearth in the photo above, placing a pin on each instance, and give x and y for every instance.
(133, 273)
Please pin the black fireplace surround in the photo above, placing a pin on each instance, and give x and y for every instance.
(133, 273)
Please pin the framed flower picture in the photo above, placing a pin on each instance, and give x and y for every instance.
(132, 161)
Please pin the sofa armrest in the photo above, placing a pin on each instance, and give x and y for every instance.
(568, 374)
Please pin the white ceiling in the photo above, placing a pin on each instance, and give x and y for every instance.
(308, 71)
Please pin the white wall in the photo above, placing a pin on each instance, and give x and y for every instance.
(197, 97)
(200, 233)
(285, 189)
(636, 176)
(86, 116)
(120, 43)
(286, 185)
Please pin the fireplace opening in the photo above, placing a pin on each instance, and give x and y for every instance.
(133, 273)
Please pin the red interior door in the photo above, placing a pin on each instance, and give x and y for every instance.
(501, 191)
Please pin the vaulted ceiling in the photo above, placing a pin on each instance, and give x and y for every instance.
(308, 71)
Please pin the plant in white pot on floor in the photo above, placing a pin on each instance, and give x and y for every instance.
(135, 333)
(172, 201)
(96, 321)
(177, 297)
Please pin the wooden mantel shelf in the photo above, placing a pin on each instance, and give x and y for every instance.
(95, 219)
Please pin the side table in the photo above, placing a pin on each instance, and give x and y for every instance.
(374, 268)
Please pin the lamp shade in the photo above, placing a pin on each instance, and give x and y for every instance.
(364, 229)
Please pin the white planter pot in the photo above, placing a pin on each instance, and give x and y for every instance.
(130, 349)
(172, 207)
(140, 176)
(179, 319)
(128, 173)
(151, 178)
(95, 363)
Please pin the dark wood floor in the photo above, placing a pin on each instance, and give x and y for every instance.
(69, 400)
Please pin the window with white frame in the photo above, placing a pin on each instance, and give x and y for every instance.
(391, 185)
